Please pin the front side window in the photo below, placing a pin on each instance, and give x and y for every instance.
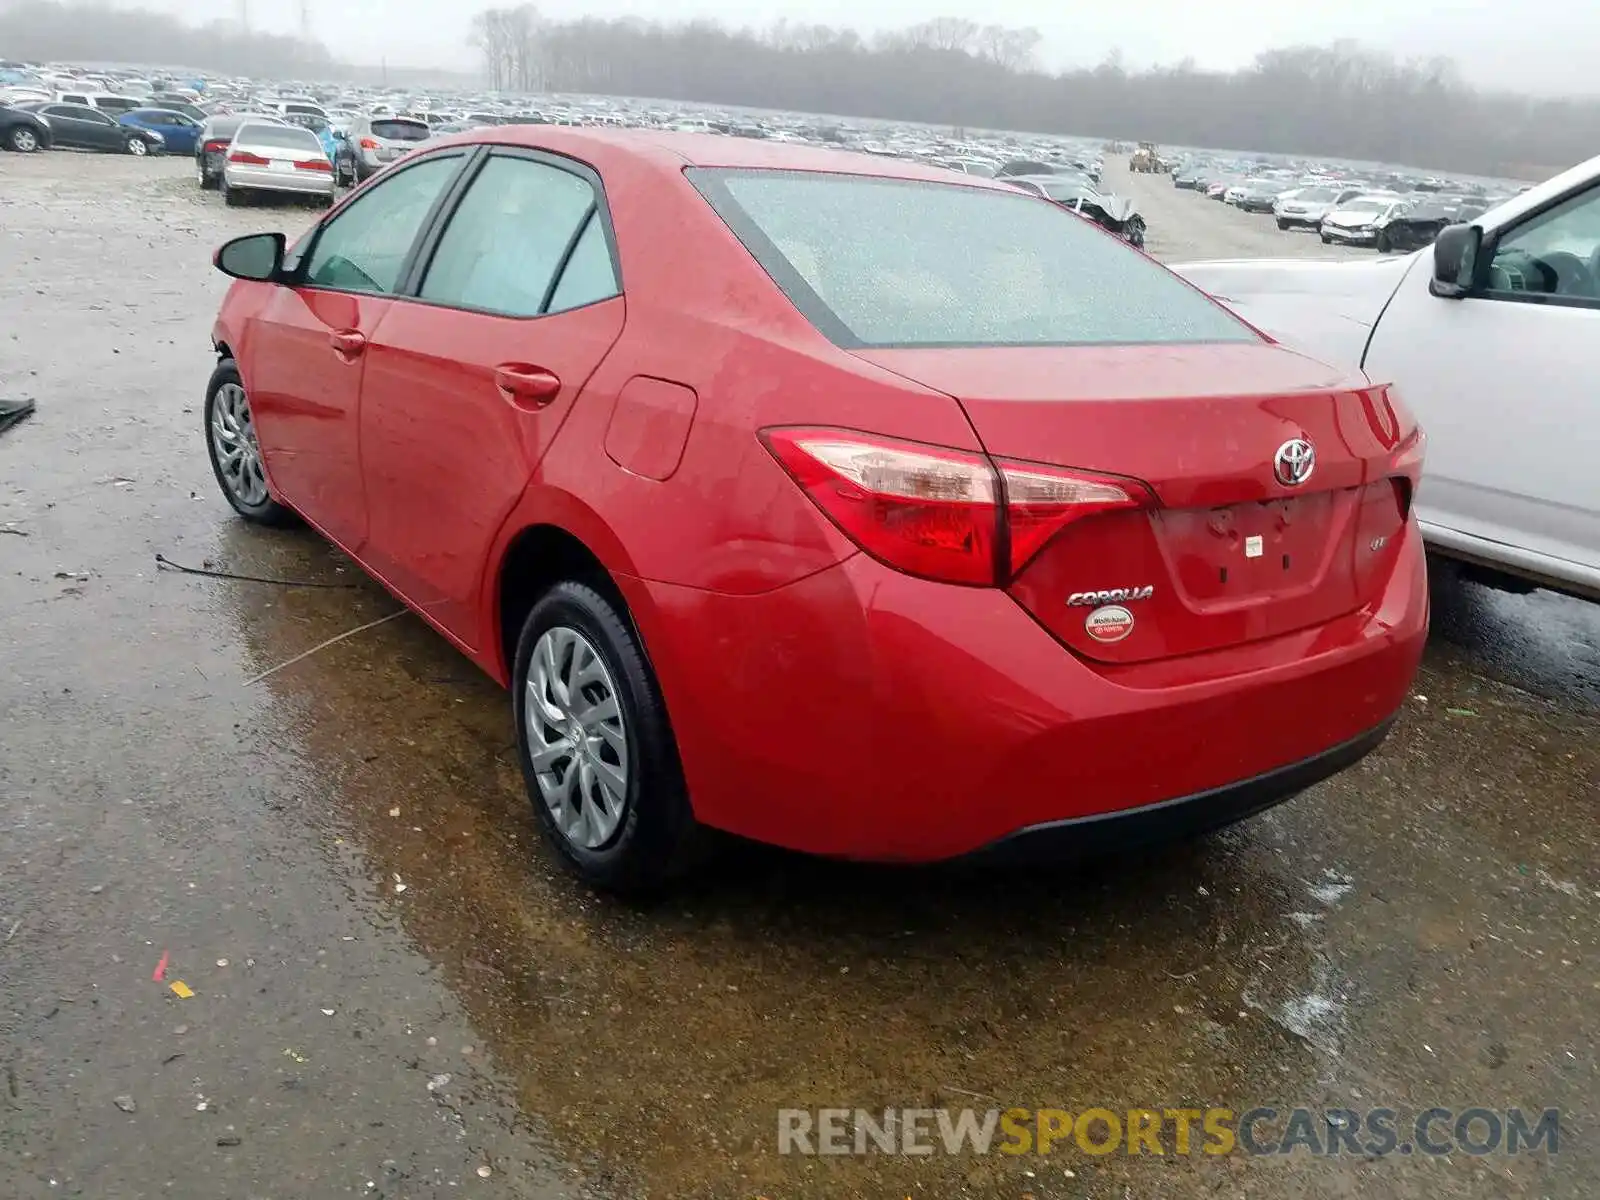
(889, 262)
(1555, 254)
(364, 247)
(510, 235)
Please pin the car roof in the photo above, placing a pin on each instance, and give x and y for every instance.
(672, 150)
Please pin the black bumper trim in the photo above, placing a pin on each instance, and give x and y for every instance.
(1173, 820)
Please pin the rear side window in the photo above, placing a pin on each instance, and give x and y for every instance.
(887, 262)
(513, 231)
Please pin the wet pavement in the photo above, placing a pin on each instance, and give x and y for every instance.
(396, 989)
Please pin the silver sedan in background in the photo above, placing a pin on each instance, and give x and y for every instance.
(277, 158)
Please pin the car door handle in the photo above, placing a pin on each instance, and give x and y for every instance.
(533, 386)
(347, 343)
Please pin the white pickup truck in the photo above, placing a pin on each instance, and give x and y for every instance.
(1492, 337)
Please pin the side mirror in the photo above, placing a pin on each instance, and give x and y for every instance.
(1455, 261)
(256, 256)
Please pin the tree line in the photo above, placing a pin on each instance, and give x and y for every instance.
(1341, 100)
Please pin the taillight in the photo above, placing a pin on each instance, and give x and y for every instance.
(370, 144)
(1042, 500)
(215, 147)
(245, 159)
(314, 164)
(940, 513)
(924, 510)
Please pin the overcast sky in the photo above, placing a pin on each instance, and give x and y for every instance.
(1545, 46)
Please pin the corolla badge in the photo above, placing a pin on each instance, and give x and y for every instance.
(1110, 596)
(1294, 462)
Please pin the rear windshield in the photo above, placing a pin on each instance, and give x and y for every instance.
(400, 131)
(287, 136)
(887, 262)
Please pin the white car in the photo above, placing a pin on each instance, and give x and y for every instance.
(1492, 337)
(1305, 207)
(1355, 222)
(285, 159)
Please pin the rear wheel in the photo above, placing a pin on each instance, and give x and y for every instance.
(234, 452)
(22, 139)
(137, 147)
(597, 753)
(1326, 240)
(231, 196)
(1284, 225)
(207, 180)
(1384, 245)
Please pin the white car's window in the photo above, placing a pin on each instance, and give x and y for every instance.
(1556, 253)
(870, 262)
(508, 238)
(364, 247)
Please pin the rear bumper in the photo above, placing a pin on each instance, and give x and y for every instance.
(264, 179)
(861, 713)
(1173, 820)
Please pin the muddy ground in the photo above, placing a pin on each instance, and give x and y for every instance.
(396, 992)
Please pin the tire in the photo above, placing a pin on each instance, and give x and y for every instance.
(208, 183)
(1326, 240)
(136, 147)
(23, 140)
(1283, 225)
(232, 197)
(254, 505)
(1383, 243)
(649, 836)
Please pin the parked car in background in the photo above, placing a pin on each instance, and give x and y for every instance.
(968, 497)
(103, 101)
(23, 130)
(1494, 338)
(379, 141)
(1306, 207)
(276, 159)
(179, 133)
(1116, 214)
(215, 136)
(1416, 223)
(72, 126)
(1355, 222)
(1259, 195)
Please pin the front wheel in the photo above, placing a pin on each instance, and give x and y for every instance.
(1326, 240)
(597, 752)
(1384, 244)
(234, 451)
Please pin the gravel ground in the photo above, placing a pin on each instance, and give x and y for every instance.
(395, 989)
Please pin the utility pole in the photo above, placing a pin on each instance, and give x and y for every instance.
(305, 20)
(244, 15)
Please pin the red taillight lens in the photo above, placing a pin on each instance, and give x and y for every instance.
(1042, 500)
(314, 164)
(215, 147)
(369, 144)
(942, 513)
(245, 159)
(924, 510)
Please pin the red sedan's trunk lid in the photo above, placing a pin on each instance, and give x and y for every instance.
(1225, 553)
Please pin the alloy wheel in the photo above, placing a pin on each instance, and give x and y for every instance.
(137, 148)
(24, 141)
(233, 441)
(577, 737)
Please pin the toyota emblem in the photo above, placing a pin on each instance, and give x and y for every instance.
(1294, 462)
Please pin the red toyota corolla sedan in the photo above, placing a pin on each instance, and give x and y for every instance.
(831, 501)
